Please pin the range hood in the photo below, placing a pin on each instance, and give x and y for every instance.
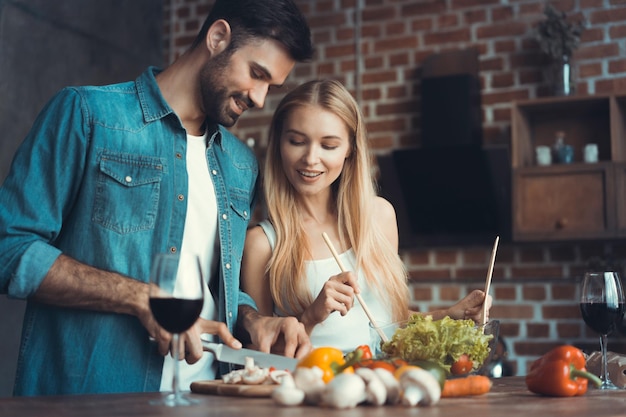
(456, 195)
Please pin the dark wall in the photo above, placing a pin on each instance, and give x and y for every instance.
(44, 46)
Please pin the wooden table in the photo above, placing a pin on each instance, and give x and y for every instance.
(508, 398)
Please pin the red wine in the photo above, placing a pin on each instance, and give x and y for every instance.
(175, 314)
(600, 317)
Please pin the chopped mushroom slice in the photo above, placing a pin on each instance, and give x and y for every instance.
(253, 375)
(250, 374)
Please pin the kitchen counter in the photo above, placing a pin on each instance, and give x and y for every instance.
(508, 398)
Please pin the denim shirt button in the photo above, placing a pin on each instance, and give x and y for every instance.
(227, 266)
(214, 172)
(245, 213)
(230, 314)
(181, 197)
(128, 179)
(173, 249)
(224, 216)
(179, 155)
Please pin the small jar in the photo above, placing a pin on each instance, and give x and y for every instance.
(591, 153)
(543, 155)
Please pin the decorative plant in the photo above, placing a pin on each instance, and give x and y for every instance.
(558, 37)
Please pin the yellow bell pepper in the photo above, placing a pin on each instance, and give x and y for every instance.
(330, 360)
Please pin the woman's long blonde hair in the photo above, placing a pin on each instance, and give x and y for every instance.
(354, 193)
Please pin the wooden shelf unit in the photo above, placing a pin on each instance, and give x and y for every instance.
(577, 200)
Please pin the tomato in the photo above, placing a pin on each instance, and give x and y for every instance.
(462, 366)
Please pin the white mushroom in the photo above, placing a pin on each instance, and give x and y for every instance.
(419, 387)
(310, 381)
(344, 391)
(392, 385)
(233, 377)
(375, 390)
(287, 393)
(276, 375)
(253, 375)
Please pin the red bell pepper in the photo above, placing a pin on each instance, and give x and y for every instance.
(560, 372)
(361, 353)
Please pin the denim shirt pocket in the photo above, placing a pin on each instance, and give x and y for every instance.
(127, 192)
(240, 203)
(240, 206)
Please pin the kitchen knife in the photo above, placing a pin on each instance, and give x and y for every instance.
(224, 353)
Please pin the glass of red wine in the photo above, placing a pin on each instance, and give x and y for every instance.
(602, 307)
(176, 300)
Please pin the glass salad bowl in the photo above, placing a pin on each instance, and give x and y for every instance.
(444, 342)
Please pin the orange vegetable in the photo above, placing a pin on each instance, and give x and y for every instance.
(469, 385)
(374, 363)
(397, 362)
(402, 369)
(462, 366)
(329, 360)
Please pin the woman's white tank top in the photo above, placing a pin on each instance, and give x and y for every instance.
(342, 332)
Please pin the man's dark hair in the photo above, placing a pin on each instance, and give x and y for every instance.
(264, 19)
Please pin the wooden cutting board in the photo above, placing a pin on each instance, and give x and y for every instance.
(218, 387)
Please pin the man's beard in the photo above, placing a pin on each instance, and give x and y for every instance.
(216, 97)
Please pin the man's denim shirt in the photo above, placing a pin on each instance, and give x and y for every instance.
(101, 177)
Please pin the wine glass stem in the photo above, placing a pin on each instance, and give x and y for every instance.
(175, 375)
(605, 367)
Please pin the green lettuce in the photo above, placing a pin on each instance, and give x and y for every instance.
(439, 341)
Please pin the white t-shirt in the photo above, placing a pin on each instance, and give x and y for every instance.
(199, 237)
(342, 332)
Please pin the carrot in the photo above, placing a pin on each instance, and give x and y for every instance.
(470, 385)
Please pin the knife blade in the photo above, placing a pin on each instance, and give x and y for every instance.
(224, 353)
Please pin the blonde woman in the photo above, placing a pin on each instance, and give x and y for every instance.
(317, 178)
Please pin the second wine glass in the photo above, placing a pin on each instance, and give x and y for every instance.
(602, 306)
(176, 300)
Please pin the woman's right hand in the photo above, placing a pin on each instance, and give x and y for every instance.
(337, 294)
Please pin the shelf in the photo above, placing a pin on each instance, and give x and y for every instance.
(577, 200)
(535, 123)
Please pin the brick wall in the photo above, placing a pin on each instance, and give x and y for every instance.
(377, 48)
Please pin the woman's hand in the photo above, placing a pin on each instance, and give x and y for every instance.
(470, 307)
(337, 294)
